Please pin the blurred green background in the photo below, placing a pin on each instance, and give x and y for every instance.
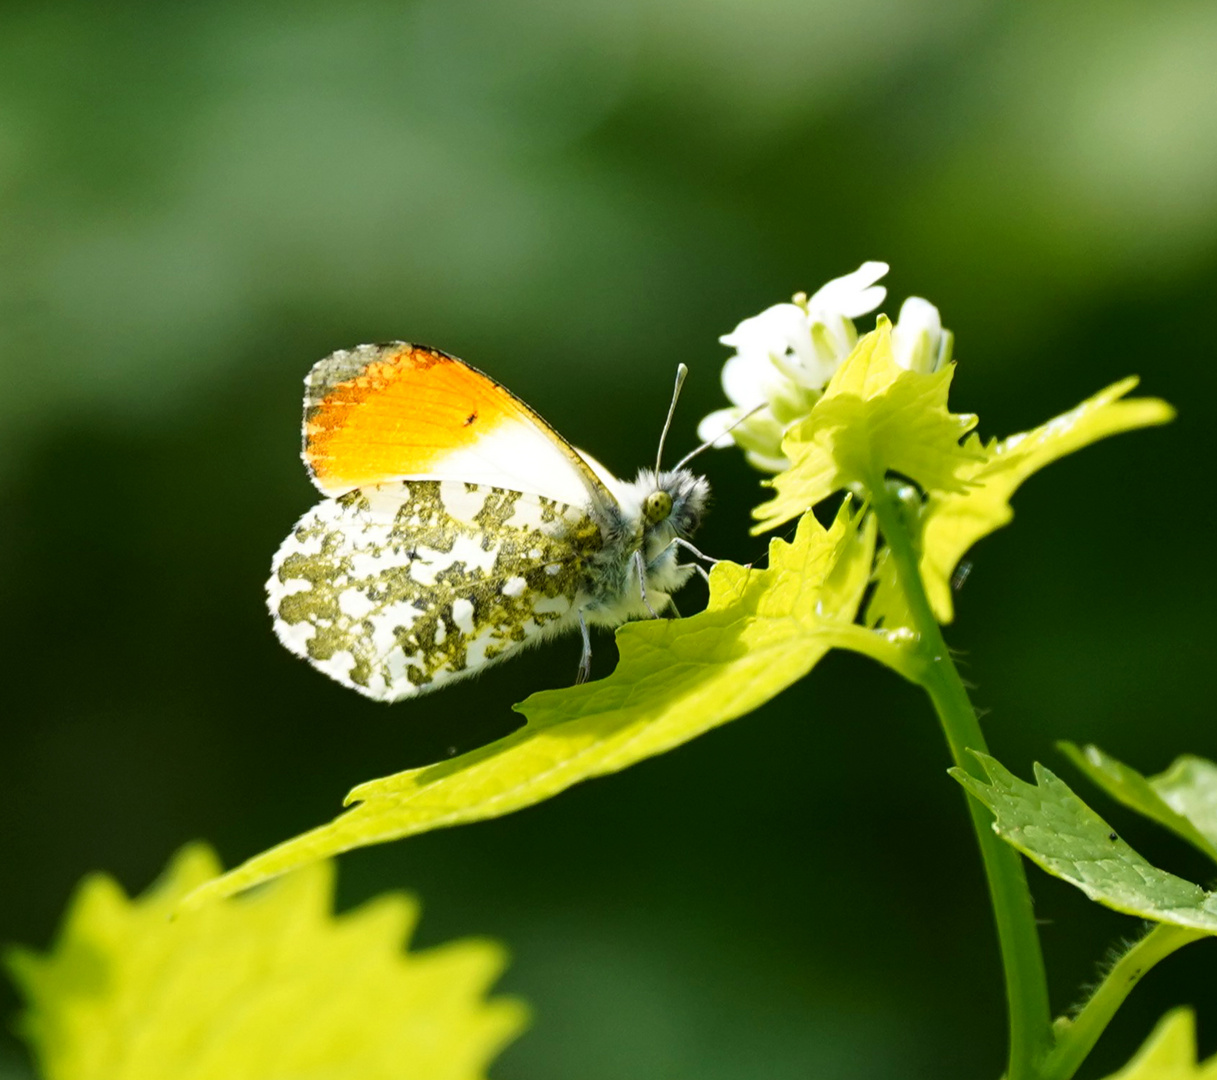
(199, 201)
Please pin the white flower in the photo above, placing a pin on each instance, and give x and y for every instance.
(919, 343)
(783, 359)
(785, 356)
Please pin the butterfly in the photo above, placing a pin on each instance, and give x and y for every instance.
(459, 527)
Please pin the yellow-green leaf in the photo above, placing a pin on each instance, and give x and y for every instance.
(1169, 1053)
(1183, 798)
(267, 987)
(762, 631)
(874, 418)
(952, 521)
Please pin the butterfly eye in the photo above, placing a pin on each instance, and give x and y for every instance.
(657, 507)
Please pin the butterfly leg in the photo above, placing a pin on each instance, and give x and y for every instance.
(680, 541)
(585, 661)
(641, 566)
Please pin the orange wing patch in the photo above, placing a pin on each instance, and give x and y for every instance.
(383, 411)
(377, 413)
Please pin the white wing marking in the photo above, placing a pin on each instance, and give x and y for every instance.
(396, 589)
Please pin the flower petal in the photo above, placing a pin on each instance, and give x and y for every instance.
(767, 462)
(714, 427)
(772, 331)
(852, 295)
(750, 379)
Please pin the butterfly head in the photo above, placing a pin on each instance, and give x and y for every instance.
(673, 503)
(657, 506)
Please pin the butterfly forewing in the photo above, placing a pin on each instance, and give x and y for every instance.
(399, 411)
(396, 588)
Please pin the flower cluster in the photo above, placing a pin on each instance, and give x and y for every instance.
(785, 356)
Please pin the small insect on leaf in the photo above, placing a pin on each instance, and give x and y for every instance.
(960, 577)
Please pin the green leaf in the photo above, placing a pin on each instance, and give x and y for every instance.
(874, 417)
(262, 988)
(1183, 798)
(953, 520)
(1169, 1053)
(1049, 824)
(762, 631)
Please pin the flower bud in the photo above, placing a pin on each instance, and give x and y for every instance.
(919, 343)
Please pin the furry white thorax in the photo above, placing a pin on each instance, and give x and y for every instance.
(613, 594)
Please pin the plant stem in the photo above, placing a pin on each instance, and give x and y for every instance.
(1076, 1038)
(1022, 958)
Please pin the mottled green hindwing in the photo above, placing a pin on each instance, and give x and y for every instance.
(397, 588)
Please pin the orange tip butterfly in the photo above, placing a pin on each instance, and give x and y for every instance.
(458, 527)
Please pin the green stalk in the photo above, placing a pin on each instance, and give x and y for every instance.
(1076, 1037)
(1022, 958)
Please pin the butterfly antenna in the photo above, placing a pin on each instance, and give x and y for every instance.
(681, 372)
(710, 442)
